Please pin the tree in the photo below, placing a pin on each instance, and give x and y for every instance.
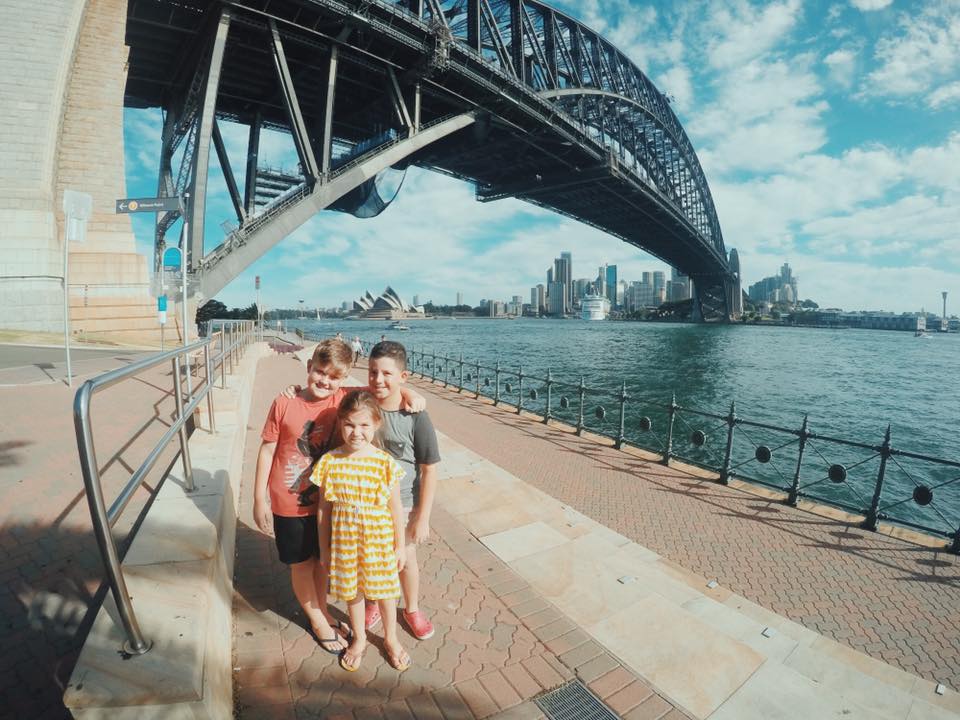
(212, 310)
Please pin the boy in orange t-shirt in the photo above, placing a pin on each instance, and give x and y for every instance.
(298, 430)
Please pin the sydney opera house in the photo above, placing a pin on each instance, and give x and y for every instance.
(388, 306)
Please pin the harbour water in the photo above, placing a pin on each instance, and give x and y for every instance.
(850, 383)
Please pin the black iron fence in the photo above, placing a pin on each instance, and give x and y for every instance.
(875, 480)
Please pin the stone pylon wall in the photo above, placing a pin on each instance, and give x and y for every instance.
(61, 126)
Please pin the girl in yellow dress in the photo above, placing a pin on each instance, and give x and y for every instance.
(361, 532)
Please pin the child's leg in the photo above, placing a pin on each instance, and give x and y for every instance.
(354, 653)
(396, 655)
(410, 580)
(303, 577)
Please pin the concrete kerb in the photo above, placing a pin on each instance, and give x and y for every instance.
(179, 572)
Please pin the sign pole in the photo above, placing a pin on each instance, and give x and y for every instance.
(184, 239)
(77, 207)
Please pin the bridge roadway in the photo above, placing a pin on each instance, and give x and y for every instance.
(890, 599)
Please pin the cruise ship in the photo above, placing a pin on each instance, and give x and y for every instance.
(595, 307)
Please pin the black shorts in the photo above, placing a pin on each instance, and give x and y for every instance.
(297, 538)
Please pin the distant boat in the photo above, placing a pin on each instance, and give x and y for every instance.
(594, 307)
(398, 326)
(318, 313)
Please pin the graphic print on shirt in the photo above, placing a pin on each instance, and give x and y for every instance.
(312, 443)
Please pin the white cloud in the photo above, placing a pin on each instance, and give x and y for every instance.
(944, 95)
(676, 84)
(746, 32)
(922, 53)
(841, 64)
(765, 116)
(870, 5)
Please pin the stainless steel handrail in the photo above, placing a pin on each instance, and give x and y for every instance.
(103, 519)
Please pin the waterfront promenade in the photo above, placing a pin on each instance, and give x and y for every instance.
(535, 527)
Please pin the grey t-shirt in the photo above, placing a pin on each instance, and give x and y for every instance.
(411, 439)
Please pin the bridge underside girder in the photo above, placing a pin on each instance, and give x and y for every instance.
(350, 86)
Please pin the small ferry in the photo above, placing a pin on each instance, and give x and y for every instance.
(398, 326)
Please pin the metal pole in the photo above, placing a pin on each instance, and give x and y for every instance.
(445, 370)
(66, 298)
(795, 485)
(668, 451)
(184, 239)
(135, 643)
(623, 417)
(461, 372)
(581, 391)
(496, 392)
(520, 389)
(184, 446)
(873, 515)
(208, 369)
(731, 424)
(546, 414)
(478, 381)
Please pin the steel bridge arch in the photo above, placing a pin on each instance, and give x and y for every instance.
(559, 116)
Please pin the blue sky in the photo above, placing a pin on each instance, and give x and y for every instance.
(829, 133)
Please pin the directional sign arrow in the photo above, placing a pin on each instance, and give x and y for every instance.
(160, 204)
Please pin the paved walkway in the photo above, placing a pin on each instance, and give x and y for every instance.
(890, 599)
(50, 567)
(497, 642)
(527, 549)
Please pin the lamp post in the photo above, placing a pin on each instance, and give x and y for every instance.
(77, 207)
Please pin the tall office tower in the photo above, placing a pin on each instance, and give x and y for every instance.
(581, 287)
(621, 292)
(416, 300)
(556, 300)
(459, 298)
(568, 278)
(647, 278)
(612, 285)
(601, 283)
(535, 298)
(549, 276)
(682, 291)
(541, 304)
(659, 286)
(562, 276)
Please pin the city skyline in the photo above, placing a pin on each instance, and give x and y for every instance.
(828, 137)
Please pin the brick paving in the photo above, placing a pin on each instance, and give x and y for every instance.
(497, 644)
(893, 600)
(50, 567)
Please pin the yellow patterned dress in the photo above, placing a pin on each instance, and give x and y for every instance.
(362, 558)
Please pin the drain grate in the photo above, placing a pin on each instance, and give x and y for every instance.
(573, 702)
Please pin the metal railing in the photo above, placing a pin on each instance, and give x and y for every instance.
(232, 338)
(874, 480)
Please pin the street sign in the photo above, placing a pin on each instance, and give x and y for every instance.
(162, 309)
(160, 204)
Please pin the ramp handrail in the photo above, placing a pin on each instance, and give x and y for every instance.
(103, 519)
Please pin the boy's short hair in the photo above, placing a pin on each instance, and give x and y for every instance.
(333, 352)
(390, 349)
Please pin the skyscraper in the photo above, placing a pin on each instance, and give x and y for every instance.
(612, 285)
(681, 288)
(659, 287)
(562, 277)
(459, 298)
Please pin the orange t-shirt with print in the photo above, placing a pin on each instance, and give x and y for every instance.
(302, 430)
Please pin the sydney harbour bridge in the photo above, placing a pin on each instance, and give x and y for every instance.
(513, 96)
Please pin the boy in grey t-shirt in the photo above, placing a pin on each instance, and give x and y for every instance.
(411, 439)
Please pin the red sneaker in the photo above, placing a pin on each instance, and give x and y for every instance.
(420, 627)
(371, 615)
